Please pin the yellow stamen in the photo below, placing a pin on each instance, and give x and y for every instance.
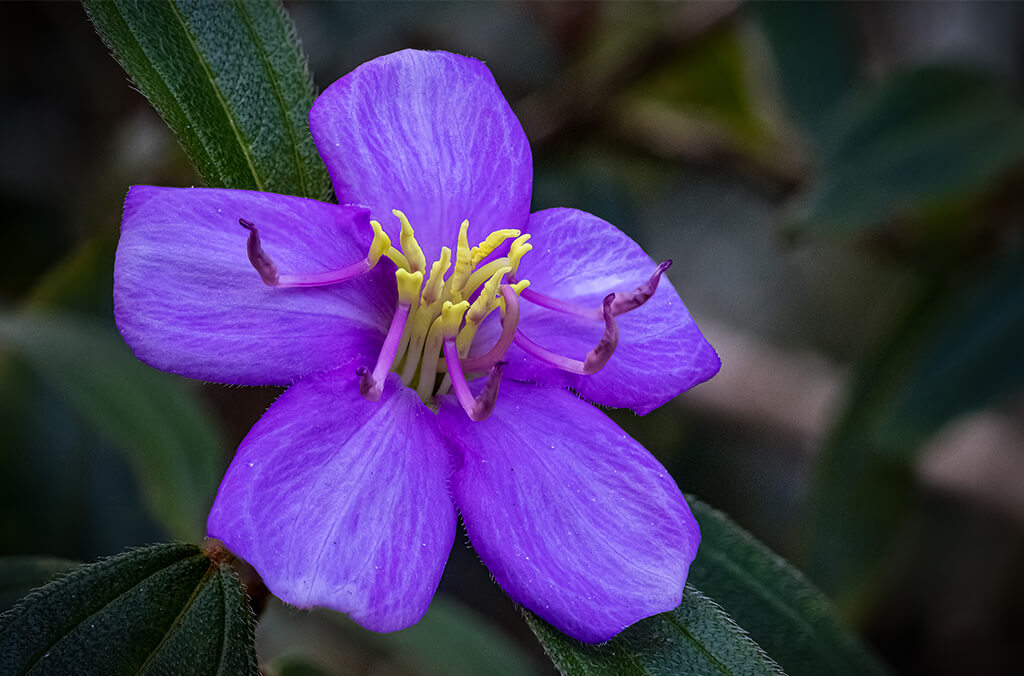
(409, 284)
(451, 317)
(520, 247)
(380, 245)
(490, 243)
(410, 247)
(428, 369)
(463, 259)
(435, 282)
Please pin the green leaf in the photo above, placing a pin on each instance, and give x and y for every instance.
(21, 574)
(917, 143)
(230, 80)
(154, 418)
(780, 609)
(695, 638)
(162, 609)
(957, 350)
(814, 45)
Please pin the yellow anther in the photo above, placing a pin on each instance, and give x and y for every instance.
(410, 247)
(519, 286)
(409, 284)
(435, 281)
(380, 244)
(451, 317)
(463, 259)
(520, 247)
(486, 301)
(490, 243)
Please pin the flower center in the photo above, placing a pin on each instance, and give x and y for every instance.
(438, 314)
(447, 304)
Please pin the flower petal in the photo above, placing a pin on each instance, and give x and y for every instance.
(187, 300)
(578, 257)
(428, 133)
(573, 518)
(342, 503)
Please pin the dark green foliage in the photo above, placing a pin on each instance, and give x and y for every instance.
(162, 609)
(229, 78)
(695, 638)
(153, 418)
(958, 350)
(790, 619)
(919, 141)
(21, 574)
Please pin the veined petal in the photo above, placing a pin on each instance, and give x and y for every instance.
(187, 299)
(573, 518)
(341, 502)
(428, 133)
(578, 257)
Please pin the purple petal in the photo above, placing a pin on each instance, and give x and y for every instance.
(580, 258)
(342, 503)
(187, 300)
(573, 518)
(428, 133)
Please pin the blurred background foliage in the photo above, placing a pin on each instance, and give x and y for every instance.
(839, 185)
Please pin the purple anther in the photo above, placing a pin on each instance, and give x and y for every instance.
(371, 385)
(480, 407)
(509, 324)
(369, 388)
(602, 352)
(596, 358)
(624, 302)
(259, 259)
(268, 271)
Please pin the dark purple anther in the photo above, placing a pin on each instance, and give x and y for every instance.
(624, 302)
(369, 388)
(484, 402)
(605, 348)
(260, 260)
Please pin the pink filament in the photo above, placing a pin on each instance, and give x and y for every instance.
(268, 270)
(624, 301)
(509, 324)
(595, 359)
(372, 384)
(477, 408)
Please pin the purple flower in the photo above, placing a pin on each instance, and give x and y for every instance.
(394, 335)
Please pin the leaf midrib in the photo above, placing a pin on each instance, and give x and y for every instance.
(243, 146)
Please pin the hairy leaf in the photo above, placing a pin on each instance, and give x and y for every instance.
(230, 80)
(695, 638)
(162, 609)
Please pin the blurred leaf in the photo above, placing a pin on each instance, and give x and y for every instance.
(695, 638)
(702, 102)
(162, 609)
(231, 81)
(451, 639)
(21, 574)
(790, 619)
(958, 350)
(918, 142)
(815, 53)
(154, 418)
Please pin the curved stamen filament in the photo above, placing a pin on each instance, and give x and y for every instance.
(480, 407)
(268, 270)
(509, 324)
(595, 359)
(623, 302)
(372, 384)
